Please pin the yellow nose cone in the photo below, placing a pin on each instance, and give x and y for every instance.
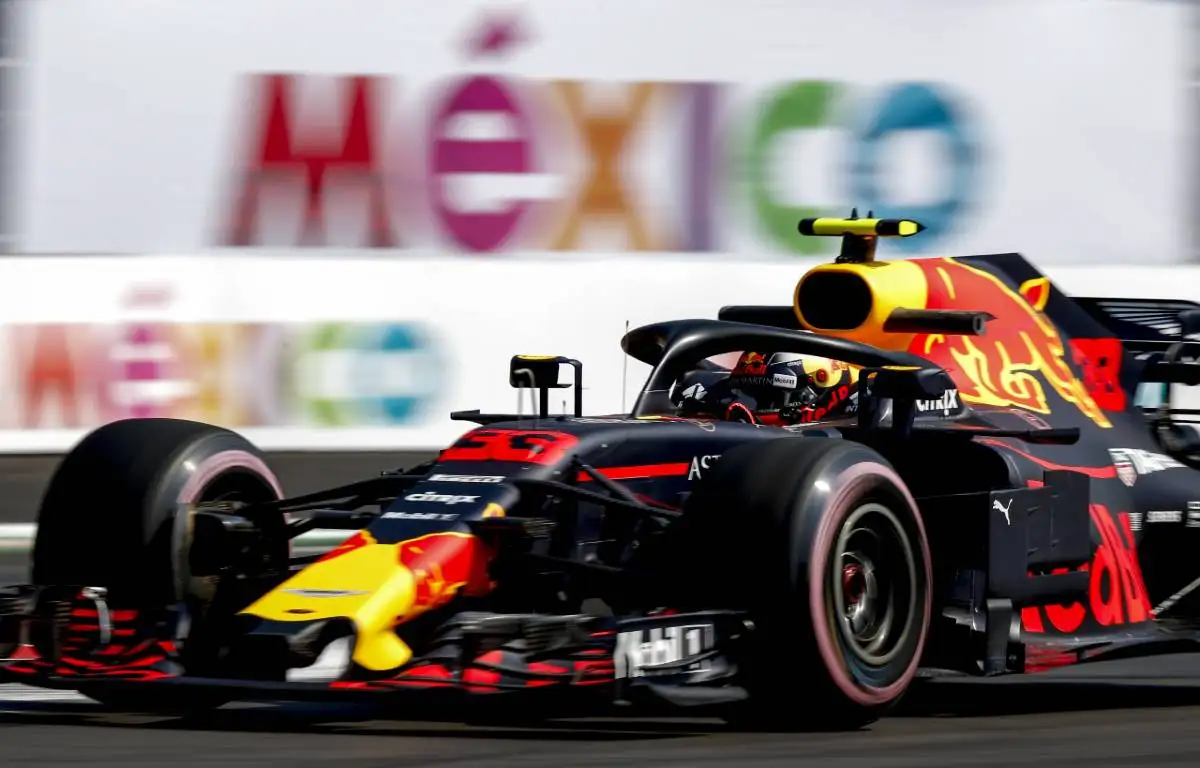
(367, 585)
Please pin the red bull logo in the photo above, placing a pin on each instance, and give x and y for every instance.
(1002, 367)
(1116, 588)
(442, 564)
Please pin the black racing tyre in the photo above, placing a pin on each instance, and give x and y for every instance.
(823, 544)
(108, 517)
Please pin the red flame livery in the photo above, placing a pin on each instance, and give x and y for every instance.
(1021, 357)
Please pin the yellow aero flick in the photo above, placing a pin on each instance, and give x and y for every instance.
(859, 236)
(835, 227)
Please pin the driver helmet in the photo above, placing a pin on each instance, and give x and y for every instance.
(786, 388)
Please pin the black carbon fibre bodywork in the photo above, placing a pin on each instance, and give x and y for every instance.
(1059, 522)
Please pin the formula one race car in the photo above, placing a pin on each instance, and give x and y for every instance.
(974, 489)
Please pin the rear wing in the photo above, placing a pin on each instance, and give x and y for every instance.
(1162, 334)
(1142, 325)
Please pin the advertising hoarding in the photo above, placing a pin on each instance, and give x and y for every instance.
(398, 129)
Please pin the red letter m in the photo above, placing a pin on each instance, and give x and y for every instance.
(276, 155)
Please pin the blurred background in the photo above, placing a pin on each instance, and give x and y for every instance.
(328, 224)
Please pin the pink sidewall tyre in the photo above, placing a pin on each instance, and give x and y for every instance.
(824, 546)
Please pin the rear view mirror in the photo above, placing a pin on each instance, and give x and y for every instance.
(536, 372)
(541, 372)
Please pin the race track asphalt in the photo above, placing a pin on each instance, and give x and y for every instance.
(1119, 714)
(1128, 714)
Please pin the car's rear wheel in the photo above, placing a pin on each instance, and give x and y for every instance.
(115, 515)
(824, 546)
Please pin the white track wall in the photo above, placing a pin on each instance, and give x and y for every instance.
(338, 220)
(355, 353)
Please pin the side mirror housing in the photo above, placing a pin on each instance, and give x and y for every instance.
(542, 372)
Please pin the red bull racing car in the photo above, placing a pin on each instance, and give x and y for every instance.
(921, 465)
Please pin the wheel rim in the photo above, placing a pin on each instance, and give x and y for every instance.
(235, 485)
(873, 578)
(198, 592)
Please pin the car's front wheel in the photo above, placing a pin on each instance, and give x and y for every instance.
(821, 542)
(114, 516)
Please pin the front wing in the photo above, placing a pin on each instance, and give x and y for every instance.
(73, 640)
(527, 665)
